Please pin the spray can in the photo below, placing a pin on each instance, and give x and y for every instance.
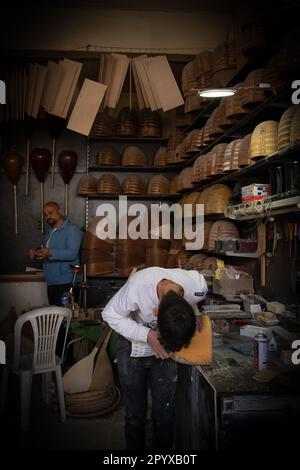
(261, 347)
(65, 299)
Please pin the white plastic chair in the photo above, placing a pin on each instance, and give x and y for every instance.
(46, 323)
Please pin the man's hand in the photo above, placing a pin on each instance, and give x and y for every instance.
(158, 349)
(42, 253)
(31, 253)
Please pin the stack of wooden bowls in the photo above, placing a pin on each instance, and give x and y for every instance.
(252, 96)
(97, 253)
(158, 185)
(160, 157)
(129, 253)
(253, 37)
(284, 128)
(157, 250)
(224, 63)
(264, 140)
(198, 173)
(173, 188)
(104, 126)
(221, 230)
(150, 124)
(234, 107)
(108, 184)
(127, 123)
(174, 139)
(217, 156)
(244, 152)
(217, 199)
(134, 156)
(108, 156)
(134, 185)
(87, 186)
(231, 156)
(185, 179)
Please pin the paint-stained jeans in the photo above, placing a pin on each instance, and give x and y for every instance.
(135, 374)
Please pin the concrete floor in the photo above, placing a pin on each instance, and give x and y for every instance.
(47, 432)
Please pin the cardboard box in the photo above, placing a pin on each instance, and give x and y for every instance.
(232, 281)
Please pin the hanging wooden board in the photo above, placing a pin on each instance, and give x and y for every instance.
(86, 107)
(30, 88)
(54, 78)
(139, 94)
(119, 69)
(163, 80)
(146, 84)
(101, 68)
(135, 65)
(41, 73)
(146, 64)
(67, 87)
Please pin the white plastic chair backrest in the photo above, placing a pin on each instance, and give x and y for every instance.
(46, 323)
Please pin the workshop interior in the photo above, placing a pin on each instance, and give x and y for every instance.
(108, 110)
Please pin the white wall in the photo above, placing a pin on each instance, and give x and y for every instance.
(150, 31)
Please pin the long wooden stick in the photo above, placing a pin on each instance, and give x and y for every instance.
(27, 167)
(53, 162)
(15, 209)
(42, 204)
(66, 199)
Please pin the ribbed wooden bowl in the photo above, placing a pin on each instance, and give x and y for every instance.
(217, 199)
(127, 122)
(216, 118)
(251, 97)
(92, 242)
(108, 156)
(224, 122)
(150, 124)
(134, 156)
(198, 173)
(193, 103)
(108, 184)
(102, 267)
(158, 185)
(264, 140)
(224, 56)
(244, 152)
(104, 126)
(284, 128)
(234, 105)
(220, 230)
(92, 403)
(231, 155)
(204, 62)
(134, 184)
(203, 198)
(217, 154)
(189, 77)
(179, 153)
(173, 189)
(253, 37)
(160, 157)
(87, 185)
(175, 139)
(185, 179)
(295, 127)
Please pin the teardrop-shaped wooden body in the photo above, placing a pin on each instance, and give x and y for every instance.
(40, 162)
(67, 161)
(12, 163)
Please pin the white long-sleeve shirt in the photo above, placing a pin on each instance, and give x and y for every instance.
(130, 311)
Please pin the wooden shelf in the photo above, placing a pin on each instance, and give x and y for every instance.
(229, 253)
(126, 140)
(134, 169)
(171, 197)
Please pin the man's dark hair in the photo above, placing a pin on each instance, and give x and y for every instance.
(176, 322)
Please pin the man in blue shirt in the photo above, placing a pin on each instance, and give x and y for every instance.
(59, 252)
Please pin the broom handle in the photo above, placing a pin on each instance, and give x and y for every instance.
(42, 204)
(27, 167)
(15, 209)
(53, 162)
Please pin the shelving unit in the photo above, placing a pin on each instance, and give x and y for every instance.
(135, 169)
